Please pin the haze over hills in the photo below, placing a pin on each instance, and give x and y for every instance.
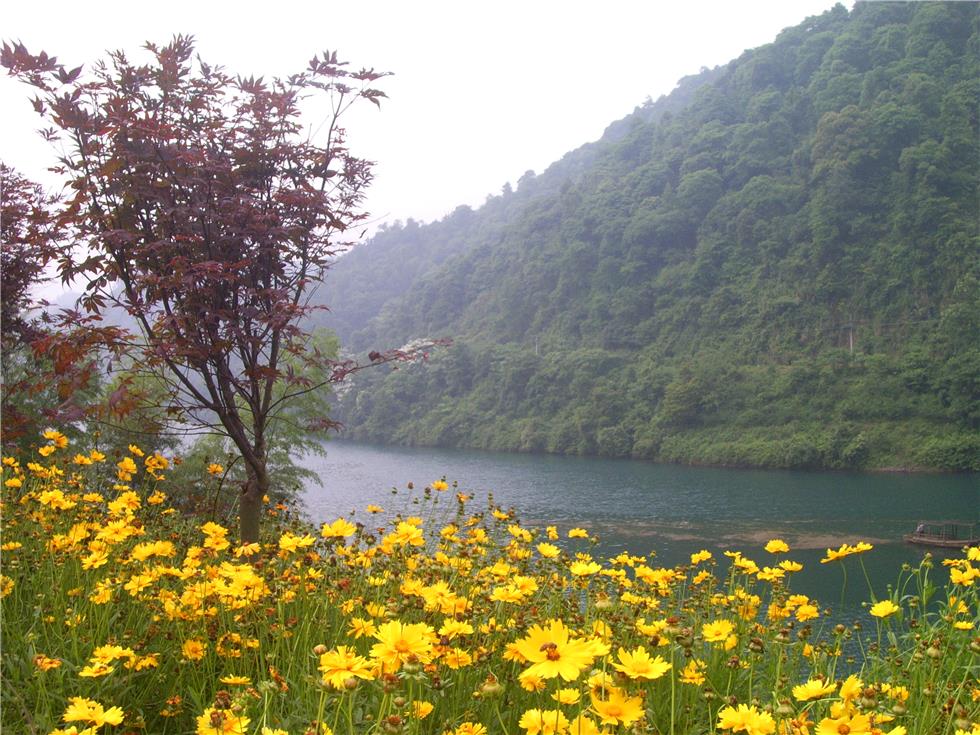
(776, 265)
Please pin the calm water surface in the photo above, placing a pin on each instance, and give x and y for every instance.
(672, 511)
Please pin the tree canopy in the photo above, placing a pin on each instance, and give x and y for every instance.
(203, 209)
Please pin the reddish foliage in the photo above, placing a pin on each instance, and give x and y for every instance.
(208, 215)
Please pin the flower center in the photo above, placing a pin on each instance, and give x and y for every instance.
(843, 729)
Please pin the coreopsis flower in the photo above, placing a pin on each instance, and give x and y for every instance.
(813, 689)
(126, 468)
(457, 658)
(578, 533)
(340, 528)
(852, 723)
(81, 709)
(717, 631)
(851, 688)
(215, 469)
(221, 722)
(884, 608)
(693, 673)
(422, 709)
(343, 664)
(405, 534)
(96, 670)
(553, 652)
(233, 680)
(399, 643)
(617, 708)
(584, 568)
(638, 664)
(13, 482)
(470, 728)
(43, 663)
(548, 551)
(440, 485)
(453, 628)
(290, 542)
(584, 725)
(700, 556)
(193, 649)
(777, 546)
(545, 722)
(746, 719)
(567, 696)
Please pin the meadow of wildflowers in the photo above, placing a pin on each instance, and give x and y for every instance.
(121, 614)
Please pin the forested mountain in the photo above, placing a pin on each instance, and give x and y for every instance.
(776, 265)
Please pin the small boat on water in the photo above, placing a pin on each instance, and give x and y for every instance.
(947, 534)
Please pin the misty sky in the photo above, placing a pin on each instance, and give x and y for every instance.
(481, 91)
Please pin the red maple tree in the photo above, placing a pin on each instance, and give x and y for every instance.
(208, 214)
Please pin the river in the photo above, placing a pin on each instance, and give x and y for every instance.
(642, 507)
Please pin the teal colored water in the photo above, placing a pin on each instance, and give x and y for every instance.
(670, 510)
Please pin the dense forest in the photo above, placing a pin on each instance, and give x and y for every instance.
(776, 265)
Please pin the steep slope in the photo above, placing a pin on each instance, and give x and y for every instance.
(782, 271)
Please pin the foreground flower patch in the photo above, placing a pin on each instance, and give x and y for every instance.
(122, 615)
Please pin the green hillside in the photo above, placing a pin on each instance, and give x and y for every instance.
(776, 265)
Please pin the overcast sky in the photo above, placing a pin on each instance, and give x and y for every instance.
(481, 92)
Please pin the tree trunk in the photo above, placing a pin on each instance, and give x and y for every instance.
(250, 503)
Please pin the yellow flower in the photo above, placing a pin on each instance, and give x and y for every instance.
(193, 650)
(545, 722)
(215, 469)
(617, 708)
(13, 482)
(46, 450)
(884, 608)
(233, 680)
(566, 696)
(584, 568)
(81, 709)
(852, 724)
(693, 673)
(290, 542)
(457, 658)
(717, 631)
(221, 722)
(813, 689)
(637, 664)
(340, 528)
(548, 551)
(97, 670)
(343, 664)
(440, 485)
(777, 546)
(399, 643)
(553, 652)
(851, 688)
(422, 709)
(43, 663)
(746, 719)
(578, 533)
(700, 556)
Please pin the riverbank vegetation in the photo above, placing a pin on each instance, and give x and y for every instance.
(773, 266)
(440, 613)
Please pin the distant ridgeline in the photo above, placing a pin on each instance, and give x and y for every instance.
(776, 265)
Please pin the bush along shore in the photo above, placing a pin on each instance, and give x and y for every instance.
(122, 614)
